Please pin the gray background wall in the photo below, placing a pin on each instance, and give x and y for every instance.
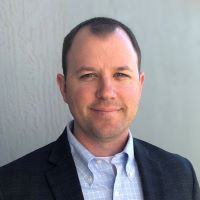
(32, 112)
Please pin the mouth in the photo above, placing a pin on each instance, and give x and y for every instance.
(106, 110)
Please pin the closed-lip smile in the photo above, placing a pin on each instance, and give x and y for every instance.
(106, 110)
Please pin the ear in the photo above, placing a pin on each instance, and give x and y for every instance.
(62, 85)
(141, 82)
(141, 79)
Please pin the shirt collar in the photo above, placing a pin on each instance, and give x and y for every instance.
(129, 150)
(76, 147)
(85, 156)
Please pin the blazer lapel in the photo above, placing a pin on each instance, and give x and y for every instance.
(150, 172)
(62, 177)
(64, 182)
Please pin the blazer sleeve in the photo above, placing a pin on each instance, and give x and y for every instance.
(196, 190)
(1, 195)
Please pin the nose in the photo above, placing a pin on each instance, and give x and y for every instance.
(105, 89)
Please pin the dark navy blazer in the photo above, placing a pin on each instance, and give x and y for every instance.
(50, 173)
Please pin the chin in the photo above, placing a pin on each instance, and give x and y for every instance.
(109, 134)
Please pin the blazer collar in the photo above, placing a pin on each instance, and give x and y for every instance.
(63, 177)
(150, 172)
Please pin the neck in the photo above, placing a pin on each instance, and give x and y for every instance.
(101, 148)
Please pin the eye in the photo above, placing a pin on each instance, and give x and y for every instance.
(88, 76)
(121, 75)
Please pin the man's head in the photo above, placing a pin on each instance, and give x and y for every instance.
(99, 26)
(102, 86)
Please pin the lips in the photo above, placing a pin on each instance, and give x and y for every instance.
(106, 109)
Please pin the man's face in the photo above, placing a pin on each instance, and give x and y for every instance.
(103, 85)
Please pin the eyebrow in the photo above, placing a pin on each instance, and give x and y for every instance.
(85, 68)
(124, 68)
(88, 68)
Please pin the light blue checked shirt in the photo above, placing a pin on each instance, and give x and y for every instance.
(106, 178)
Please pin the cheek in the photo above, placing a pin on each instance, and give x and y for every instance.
(131, 95)
(82, 96)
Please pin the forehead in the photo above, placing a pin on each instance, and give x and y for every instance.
(114, 47)
(85, 35)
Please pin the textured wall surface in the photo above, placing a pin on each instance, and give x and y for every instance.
(32, 112)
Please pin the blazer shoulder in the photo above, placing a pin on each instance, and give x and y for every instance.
(40, 159)
(31, 161)
(176, 170)
(162, 156)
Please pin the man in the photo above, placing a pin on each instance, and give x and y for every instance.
(96, 156)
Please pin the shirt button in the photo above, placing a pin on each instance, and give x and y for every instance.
(89, 179)
(99, 162)
(130, 174)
